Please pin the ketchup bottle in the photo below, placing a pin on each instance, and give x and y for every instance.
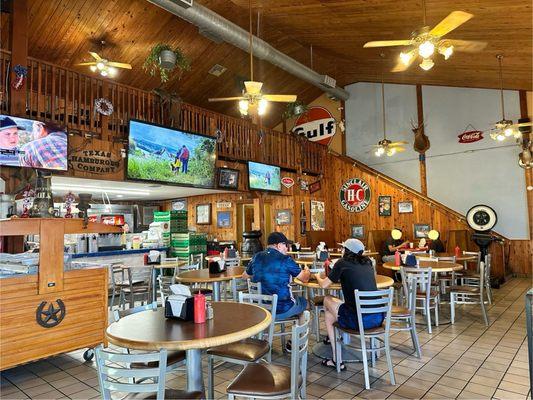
(457, 251)
(199, 308)
(397, 258)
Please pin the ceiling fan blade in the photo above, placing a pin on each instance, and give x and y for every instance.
(387, 43)
(252, 87)
(119, 65)
(399, 149)
(401, 66)
(400, 143)
(280, 98)
(454, 20)
(522, 124)
(87, 63)
(95, 55)
(467, 46)
(226, 99)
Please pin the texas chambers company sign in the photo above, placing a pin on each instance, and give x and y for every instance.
(355, 195)
(95, 161)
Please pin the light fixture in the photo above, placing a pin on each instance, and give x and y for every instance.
(405, 57)
(379, 151)
(500, 137)
(93, 68)
(427, 64)
(426, 49)
(391, 151)
(112, 71)
(97, 189)
(446, 50)
(262, 106)
(243, 107)
(508, 132)
(100, 65)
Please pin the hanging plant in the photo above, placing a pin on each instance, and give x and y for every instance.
(295, 109)
(163, 59)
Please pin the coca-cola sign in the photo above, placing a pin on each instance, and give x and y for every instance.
(287, 182)
(470, 136)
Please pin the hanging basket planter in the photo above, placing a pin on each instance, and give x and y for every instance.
(167, 59)
(163, 59)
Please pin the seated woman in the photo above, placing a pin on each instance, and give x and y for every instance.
(392, 244)
(354, 271)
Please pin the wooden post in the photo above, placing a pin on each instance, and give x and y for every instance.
(528, 172)
(343, 134)
(19, 53)
(422, 157)
(259, 214)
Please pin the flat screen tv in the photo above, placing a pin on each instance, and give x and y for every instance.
(264, 177)
(161, 154)
(33, 144)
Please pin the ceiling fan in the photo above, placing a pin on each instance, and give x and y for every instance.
(104, 66)
(505, 128)
(252, 99)
(385, 146)
(426, 40)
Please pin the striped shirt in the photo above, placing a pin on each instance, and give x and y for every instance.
(49, 152)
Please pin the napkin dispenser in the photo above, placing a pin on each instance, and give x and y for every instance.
(321, 252)
(216, 265)
(180, 304)
(153, 257)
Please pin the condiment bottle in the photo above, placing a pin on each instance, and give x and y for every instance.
(457, 251)
(397, 258)
(199, 308)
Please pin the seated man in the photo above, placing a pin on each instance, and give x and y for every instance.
(392, 244)
(274, 269)
(354, 271)
(435, 243)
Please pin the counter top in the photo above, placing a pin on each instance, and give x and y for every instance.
(116, 252)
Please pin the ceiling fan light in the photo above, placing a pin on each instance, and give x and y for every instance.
(391, 151)
(262, 107)
(405, 58)
(446, 51)
(93, 68)
(426, 49)
(112, 71)
(427, 64)
(103, 72)
(100, 65)
(500, 137)
(243, 107)
(508, 132)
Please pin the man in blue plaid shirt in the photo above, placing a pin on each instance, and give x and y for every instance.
(48, 150)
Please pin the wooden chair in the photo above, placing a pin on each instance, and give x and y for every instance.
(248, 350)
(115, 368)
(406, 315)
(429, 298)
(274, 381)
(370, 302)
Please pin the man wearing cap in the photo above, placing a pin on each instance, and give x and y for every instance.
(275, 270)
(9, 140)
(353, 271)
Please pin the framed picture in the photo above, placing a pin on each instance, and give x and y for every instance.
(314, 187)
(203, 214)
(283, 217)
(223, 219)
(179, 205)
(384, 203)
(228, 178)
(358, 231)
(148, 214)
(405, 207)
(318, 215)
(421, 231)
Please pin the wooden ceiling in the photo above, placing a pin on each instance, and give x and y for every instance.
(64, 31)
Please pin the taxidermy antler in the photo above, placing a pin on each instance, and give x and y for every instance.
(174, 105)
(421, 143)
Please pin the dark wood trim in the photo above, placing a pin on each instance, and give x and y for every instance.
(19, 53)
(343, 118)
(528, 172)
(422, 157)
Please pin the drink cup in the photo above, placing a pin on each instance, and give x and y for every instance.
(411, 245)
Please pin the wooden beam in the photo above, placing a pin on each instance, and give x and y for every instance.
(19, 53)
(422, 157)
(528, 172)
(343, 119)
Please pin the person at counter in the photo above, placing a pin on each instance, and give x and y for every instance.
(353, 271)
(392, 244)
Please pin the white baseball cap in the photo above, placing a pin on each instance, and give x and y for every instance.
(354, 245)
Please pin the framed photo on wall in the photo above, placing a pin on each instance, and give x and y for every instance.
(385, 209)
(283, 217)
(203, 214)
(318, 215)
(358, 231)
(421, 231)
(228, 178)
(179, 205)
(314, 187)
(224, 219)
(405, 207)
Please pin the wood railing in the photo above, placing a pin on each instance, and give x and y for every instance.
(64, 96)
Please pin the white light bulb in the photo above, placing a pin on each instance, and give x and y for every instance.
(93, 68)
(500, 137)
(446, 51)
(100, 65)
(112, 71)
(405, 58)
(508, 132)
(103, 72)
(262, 106)
(377, 153)
(426, 49)
(243, 107)
(391, 151)
(427, 64)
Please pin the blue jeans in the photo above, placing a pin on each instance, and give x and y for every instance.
(300, 305)
(184, 165)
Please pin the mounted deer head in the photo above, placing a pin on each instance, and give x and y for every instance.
(421, 143)
(173, 102)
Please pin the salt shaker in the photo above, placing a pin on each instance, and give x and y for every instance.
(209, 311)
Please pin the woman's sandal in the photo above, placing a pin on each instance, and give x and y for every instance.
(326, 340)
(328, 362)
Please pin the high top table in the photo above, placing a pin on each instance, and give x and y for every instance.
(150, 330)
(203, 276)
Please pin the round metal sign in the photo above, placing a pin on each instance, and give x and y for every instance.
(355, 195)
(481, 218)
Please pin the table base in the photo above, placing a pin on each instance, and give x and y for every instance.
(195, 381)
(349, 354)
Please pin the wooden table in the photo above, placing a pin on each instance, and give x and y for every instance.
(150, 330)
(413, 249)
(462, 257)
(203, 276)
(439, 266)
(382, 282)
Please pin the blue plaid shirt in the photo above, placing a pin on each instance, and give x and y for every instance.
(274, 270)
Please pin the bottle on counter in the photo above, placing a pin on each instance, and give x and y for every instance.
(199, 308)
(81, 244)
(93, 244)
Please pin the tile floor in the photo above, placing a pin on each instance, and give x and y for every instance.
(464, 361)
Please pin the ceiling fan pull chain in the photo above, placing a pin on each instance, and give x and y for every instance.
(500, 57)
(251, 44)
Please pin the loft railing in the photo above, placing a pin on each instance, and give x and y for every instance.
(67, 97)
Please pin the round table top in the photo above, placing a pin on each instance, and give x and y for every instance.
(403, 249)
(382, 282)
(203, 275)
(462, 257)
(436, 266)
(150, 330)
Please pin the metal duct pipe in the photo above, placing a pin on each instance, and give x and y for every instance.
(231, 33)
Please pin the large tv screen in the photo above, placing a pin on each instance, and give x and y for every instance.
(264, 177)
(168, 155)
(33, 144)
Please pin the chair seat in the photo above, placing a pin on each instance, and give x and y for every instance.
(398, 311)
(246, 350)
(136, 289)
(173, 357)
(380, 330)
(318, 300)
(432, 293)
(202, 291)
(127, 283)
(289, 319)
(170, 394)
(464, 289)
(262, 380)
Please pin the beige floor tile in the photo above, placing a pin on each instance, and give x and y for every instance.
(504, 395)
(445, 391)
(317, 390)
(85, 394)
(483, 380)
(480, 389)
(521, 380)
(466, 395)
(373, 394)
(61, 383)
(514, 387)
(336, 395)
(410, 392)
(37, 390)
(452, 382)
(74, 388)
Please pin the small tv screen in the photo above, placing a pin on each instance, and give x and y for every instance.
(161, 154)
(33, 144)
(264, 177)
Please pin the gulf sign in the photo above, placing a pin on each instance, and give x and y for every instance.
(317, 124)
(355, 195)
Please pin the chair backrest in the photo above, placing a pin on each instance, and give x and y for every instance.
(197, 259)
(190, 267)
(373, 302)
(300, 342)
(446, 259)
(477, 254)
(421, 277)
(488, 265)
(113, 366)
(117, 270)
(265, 301)
(170, 260)
(254, 287)
(118, 314)
(305, 254)
(232, 262)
